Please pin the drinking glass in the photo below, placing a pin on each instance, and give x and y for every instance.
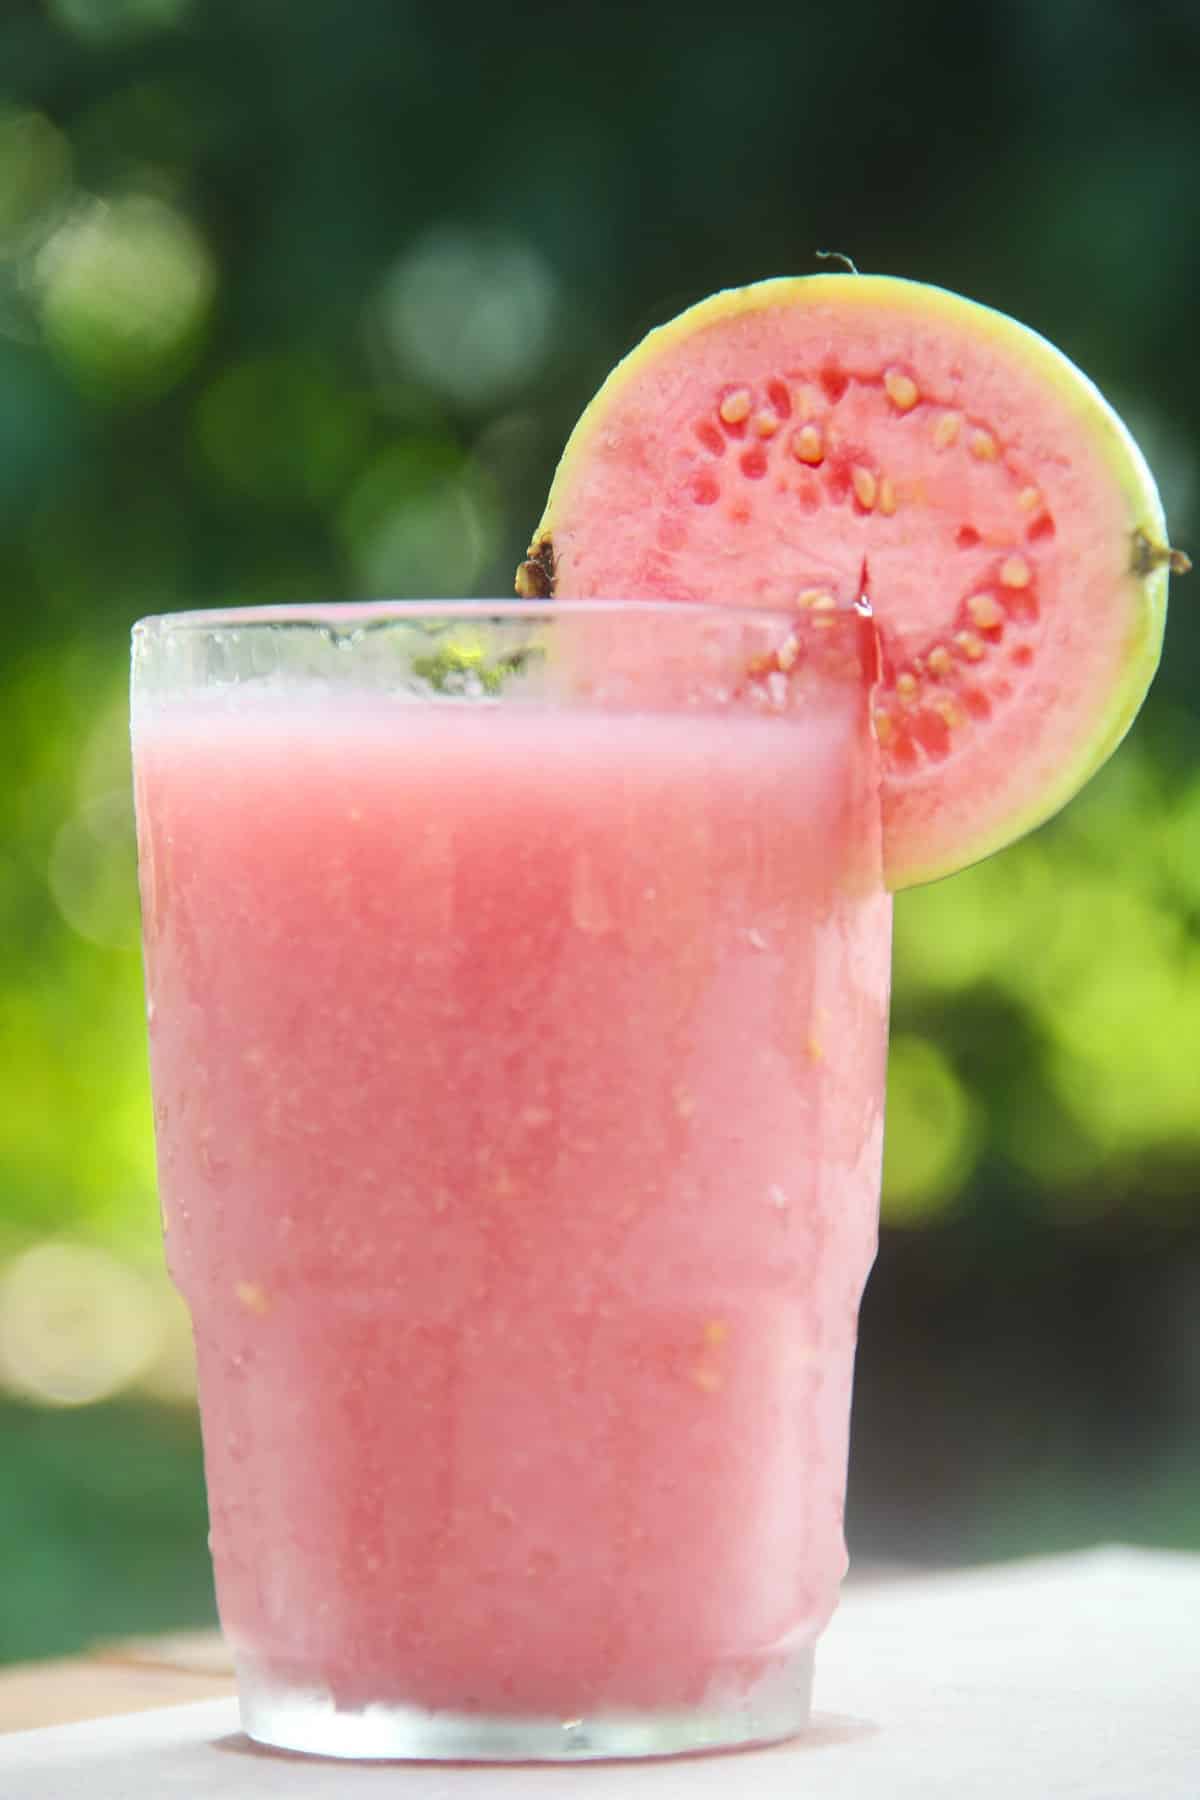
(517, 992)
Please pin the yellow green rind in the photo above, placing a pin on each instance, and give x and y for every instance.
(1147, 593)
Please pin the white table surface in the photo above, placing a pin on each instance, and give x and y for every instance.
(1068, 1678)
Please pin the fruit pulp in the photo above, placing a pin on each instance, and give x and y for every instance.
(518, 1079)
(796, 443)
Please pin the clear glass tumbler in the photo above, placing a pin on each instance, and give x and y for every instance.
(517, 991)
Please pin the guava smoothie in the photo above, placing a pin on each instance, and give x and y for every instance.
(518, 1077)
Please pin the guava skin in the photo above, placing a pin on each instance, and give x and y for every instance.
(779, 445)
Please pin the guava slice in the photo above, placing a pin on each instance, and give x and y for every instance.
(811, 439)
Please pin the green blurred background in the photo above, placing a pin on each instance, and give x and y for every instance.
(298, 301)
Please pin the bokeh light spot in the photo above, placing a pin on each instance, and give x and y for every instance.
(112, 21)
(473, 314)
(420, 524)
(76, 1325)
(282, 429)
(126, 290)
(932, 1134)
(35, 176)
(92, 871)
(171, 1374)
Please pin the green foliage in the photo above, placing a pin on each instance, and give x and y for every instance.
(1085, 938)
(108, 1507)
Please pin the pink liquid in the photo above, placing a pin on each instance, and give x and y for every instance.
(518, 1083)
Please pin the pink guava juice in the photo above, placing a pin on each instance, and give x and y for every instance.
(518, 1078)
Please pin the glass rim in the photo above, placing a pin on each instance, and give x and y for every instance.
(334, 615)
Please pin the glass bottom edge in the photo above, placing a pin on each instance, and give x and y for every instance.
(308, 1721)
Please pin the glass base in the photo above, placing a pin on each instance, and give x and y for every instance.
(308, 1720)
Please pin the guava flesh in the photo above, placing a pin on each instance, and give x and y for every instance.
(800, 439)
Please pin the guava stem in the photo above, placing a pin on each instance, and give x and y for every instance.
(1148, 556)
(535, 576)
(837, 256)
